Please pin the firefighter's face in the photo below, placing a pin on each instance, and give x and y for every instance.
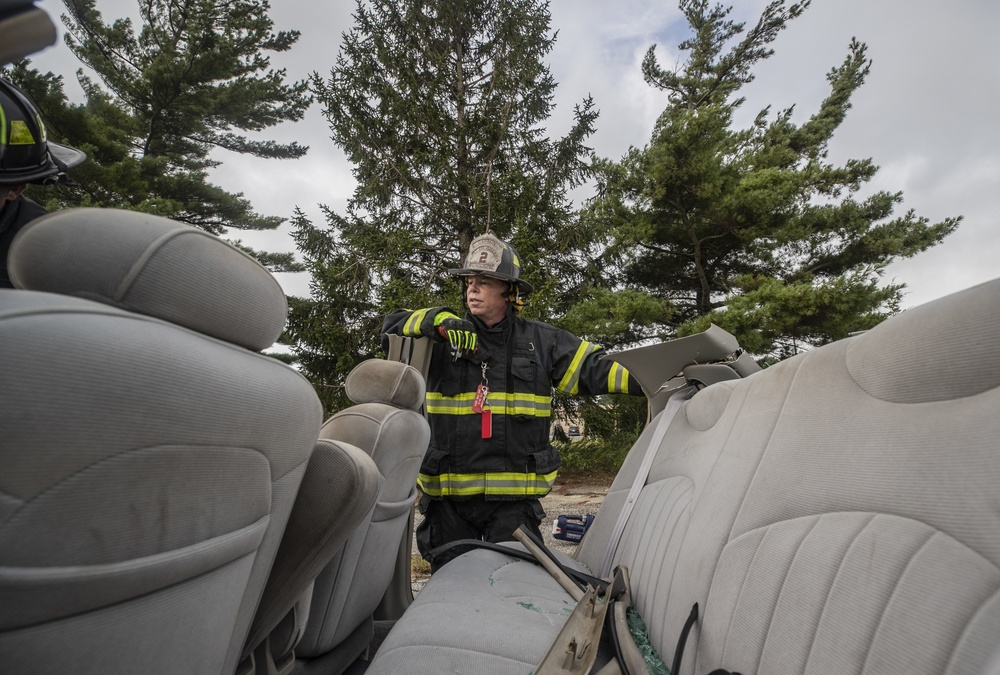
(486, 298)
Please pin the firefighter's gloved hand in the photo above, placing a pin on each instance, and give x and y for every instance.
(441, 333)
(460, 334)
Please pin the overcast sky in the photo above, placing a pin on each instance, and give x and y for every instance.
(927, 115)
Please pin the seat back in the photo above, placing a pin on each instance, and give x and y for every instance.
(24, 30)
(835, 512)
(385, 423)
(336, 495)
(150, 456)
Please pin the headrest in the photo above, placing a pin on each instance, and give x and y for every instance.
(943, 350)
(153, 266)
(381, 381)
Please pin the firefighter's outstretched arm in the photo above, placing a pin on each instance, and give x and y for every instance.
(438, 323)
(585, 368)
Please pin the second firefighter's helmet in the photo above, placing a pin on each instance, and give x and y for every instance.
(26, 155)
(494, 258)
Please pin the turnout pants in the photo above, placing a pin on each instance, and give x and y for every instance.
(446, 520)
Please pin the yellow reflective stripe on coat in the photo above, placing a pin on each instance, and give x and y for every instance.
(499, 403)
(443, 316)
(499, 483)
(412, 326)
(570, 382)
(618, 379)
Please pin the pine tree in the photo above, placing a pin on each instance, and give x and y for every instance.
(753, 229)
(194, 79)
(438, 105)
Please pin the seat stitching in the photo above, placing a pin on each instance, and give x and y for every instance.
(16, 505)
(954, 653)
(767, 445)
(826, 602)
(327, 617)
(646, 542)
(396, 386)
(732, 617)
(784, 582)
(138, 265)
(673, 568)
(895, 590)
(746, 397)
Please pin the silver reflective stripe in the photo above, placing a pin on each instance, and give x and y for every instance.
(449, 405)
(510, 483)
(412, 326)
(667, 416)
(617, 379)
(500, 403)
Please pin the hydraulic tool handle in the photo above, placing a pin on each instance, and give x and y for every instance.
(550, 566)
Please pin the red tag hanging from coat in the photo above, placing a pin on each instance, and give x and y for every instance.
(480, 401)
(487, 417)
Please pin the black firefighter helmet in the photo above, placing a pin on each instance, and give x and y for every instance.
(26, 155)
(491, 257)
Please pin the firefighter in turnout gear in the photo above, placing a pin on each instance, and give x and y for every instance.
(26, 156)
(489, 403)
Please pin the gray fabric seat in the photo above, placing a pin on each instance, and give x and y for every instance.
(337, 493)
(150, 456)
(385, 422)
(833, 513)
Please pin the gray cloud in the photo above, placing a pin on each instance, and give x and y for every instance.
(926, 114)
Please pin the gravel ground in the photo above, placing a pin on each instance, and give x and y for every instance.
(575, 497)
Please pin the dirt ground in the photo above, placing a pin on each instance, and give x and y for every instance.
(572, 495)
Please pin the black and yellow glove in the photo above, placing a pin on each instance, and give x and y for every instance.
(459, 333)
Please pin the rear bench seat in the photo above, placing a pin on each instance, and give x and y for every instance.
(838, 512)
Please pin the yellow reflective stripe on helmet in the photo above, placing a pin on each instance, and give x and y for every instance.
(570, 382)
(412, 326)
(499, 403)
(618, 379)
(499, 483)
(20, 134)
